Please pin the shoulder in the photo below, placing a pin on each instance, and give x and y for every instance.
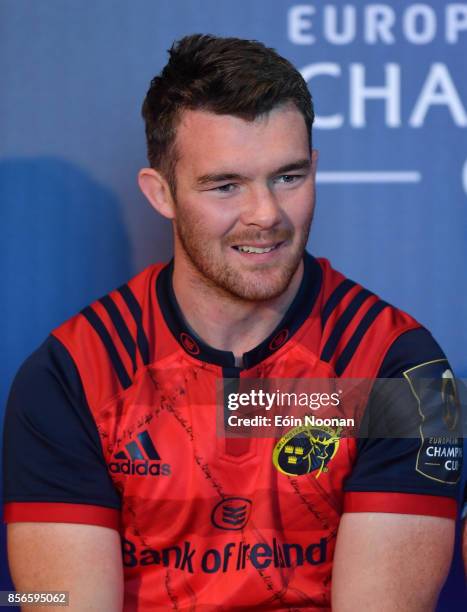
(110, 339)
(51, 441)
(341, 294)
(48, 371)
(364, 335)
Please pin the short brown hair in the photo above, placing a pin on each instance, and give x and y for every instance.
(227, 76)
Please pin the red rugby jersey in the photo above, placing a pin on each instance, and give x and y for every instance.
(118, 413)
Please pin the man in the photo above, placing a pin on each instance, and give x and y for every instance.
(117, 410)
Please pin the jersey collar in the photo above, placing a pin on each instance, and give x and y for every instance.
(295, 316)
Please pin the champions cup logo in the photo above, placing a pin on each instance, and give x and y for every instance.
(306, 449)
(434, 388)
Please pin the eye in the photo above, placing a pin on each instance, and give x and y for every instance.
(227, 188)
(288, 178)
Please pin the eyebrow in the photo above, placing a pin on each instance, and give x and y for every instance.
(302, 164)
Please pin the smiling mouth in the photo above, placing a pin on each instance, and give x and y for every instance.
(255, 249)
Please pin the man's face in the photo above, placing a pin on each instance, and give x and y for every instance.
(244, 201)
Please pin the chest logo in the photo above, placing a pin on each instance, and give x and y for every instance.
(306, 449)
(232, 513)
(139, 458)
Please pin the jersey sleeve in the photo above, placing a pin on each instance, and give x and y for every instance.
(409, 460)
(54, 468)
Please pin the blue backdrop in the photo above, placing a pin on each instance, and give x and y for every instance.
(390, 92)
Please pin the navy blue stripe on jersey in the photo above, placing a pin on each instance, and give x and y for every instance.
(357, 336)
(107, 341)
(342, 324)
(137, 313)
(134, 450)
(148, 446)
(335, 298)
(121, 327)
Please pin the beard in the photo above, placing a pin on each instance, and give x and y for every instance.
(242, 281)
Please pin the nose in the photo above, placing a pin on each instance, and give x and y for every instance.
(261, 208)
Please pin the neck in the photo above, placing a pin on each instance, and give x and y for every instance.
(222, 320)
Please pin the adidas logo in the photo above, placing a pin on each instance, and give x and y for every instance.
(139, 459)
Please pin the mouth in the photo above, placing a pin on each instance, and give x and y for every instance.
(257, 250)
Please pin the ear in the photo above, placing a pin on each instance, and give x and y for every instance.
(157, 191)
(314, 161)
